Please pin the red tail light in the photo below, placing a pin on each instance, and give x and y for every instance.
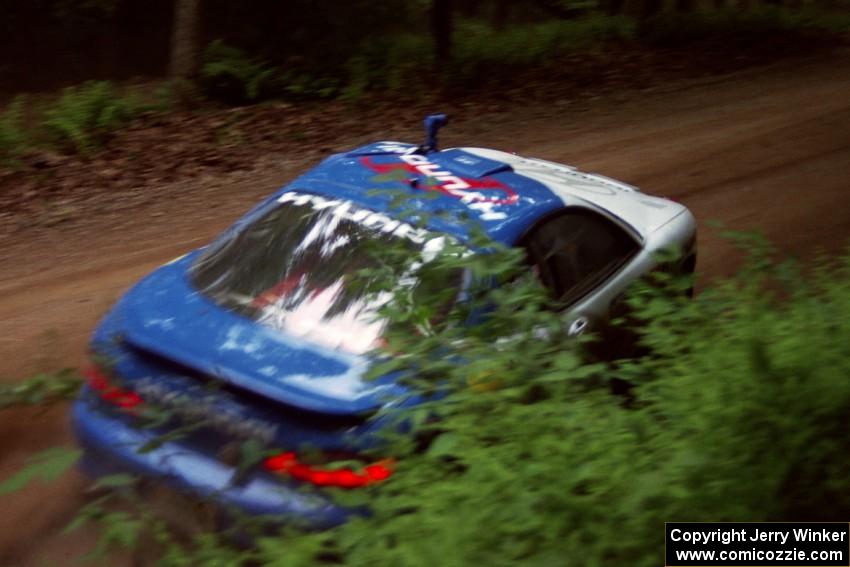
(287, 463)
(116, 396)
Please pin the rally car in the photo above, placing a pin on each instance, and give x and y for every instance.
(256, 337)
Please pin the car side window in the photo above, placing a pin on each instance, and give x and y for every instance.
(576, 251)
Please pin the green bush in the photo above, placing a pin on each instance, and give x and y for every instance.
(740, 29)
(482, 53)
(391, 63)
(231, 75)
(86, 116)
(41, 389)
(12, 138)
(404, 62)
(737, 414)
(294, 85)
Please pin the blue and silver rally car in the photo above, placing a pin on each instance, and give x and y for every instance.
(255, 336)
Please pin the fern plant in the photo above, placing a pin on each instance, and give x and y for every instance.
(85, 116)
(12, 138)
(41, 389)
(231, 75)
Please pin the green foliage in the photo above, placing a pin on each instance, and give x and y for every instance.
(229, 74)
(403, 62)
(12, 138)
(46, 466)
(121, 529)
(41, 389)
(169, 96)
(737, 413)
(485, 54)
(301, 85)
(85, 116)
(741, 29)
(391, 63)
(232, 76)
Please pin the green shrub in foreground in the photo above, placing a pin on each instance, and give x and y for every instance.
(12, 138)
(85, 116)
(739, 413)
(41, 389)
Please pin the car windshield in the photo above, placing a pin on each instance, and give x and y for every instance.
(292, 269)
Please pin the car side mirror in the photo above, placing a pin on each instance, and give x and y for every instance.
(578, 326)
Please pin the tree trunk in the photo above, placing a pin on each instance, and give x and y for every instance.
(441, 28)
(184, 39)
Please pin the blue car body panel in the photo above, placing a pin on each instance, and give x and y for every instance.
(166, 316)
(113, 446)
(365, 177)
(163, 335)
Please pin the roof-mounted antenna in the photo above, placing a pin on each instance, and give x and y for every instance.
(433, 123)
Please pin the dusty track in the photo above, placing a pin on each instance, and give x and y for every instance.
(765, 149)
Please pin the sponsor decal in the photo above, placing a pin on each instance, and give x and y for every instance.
(208, 408)
(482, 195)
(347, 210)
(394, 148)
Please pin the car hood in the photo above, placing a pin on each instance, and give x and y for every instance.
(163, 314)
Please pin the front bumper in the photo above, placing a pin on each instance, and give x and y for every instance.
(111, 446)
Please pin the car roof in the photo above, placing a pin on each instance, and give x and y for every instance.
(457, 188)
(452, 189)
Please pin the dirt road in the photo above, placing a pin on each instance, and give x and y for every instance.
(765, 149)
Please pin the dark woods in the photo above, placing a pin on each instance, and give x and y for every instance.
(47, 44)
(50, 43)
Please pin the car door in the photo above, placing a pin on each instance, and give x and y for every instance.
(574, 252)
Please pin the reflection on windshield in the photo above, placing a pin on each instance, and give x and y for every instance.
(291, 269)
